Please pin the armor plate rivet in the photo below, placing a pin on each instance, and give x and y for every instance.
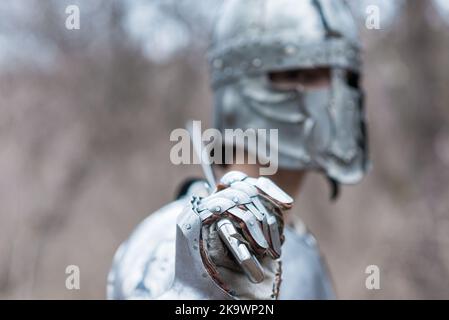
(289, 50)
(257, 62)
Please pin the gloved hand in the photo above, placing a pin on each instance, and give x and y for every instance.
(242, 234)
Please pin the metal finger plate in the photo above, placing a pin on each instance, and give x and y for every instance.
(252, 225)
(241, 253)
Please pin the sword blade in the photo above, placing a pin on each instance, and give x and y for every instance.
(199, 148)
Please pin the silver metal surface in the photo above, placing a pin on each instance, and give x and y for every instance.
(144, 265)
(240, 251)
(232, 176)
(275, 237)
(319, 129)
(202, 155)
(162, 258)
(273, 191)
(252, 226)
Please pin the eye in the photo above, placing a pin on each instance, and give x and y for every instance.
(304, 78)
(285, 80)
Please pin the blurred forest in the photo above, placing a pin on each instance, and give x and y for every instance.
(85, 118)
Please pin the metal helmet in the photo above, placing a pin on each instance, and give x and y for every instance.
(321, 129)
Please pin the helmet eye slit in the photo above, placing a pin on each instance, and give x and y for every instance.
(300, 79)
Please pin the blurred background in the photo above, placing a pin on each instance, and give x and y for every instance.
(85, 118)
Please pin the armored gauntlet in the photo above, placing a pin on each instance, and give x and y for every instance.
(229, 243)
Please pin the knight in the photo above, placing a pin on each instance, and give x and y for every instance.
(289, 65)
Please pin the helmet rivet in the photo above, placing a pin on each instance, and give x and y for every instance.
(217, 209)
(257, 63)
(235, 199)
(289, 50)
